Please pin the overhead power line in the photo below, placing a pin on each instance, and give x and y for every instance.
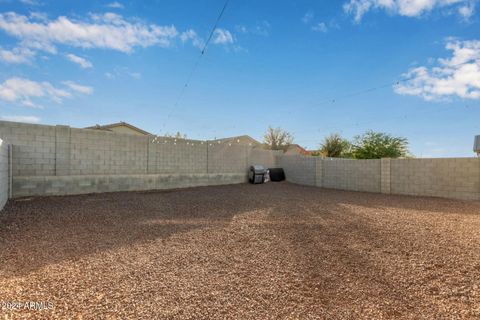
(197, 62)
(383, 86)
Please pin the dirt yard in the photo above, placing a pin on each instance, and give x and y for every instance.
(241, 252)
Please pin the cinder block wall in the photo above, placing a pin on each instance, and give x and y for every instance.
(50, 160)
(268, 158)
(33, 148)
(347, 174)
(226, 158)
(299, 169)
(4, 176)
(98, 152)
(169, 155)
(450, 178)
(457, 178)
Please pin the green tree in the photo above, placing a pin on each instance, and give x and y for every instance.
(334, 146)
(377, 145)
(277, 138)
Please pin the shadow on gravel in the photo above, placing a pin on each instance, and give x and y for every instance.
(38, 232)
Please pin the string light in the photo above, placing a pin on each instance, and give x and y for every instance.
(158, 140)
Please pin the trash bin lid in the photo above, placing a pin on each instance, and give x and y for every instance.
(258, 168)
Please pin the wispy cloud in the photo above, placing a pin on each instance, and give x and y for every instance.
(409, 8)
(79, 88)
(112, 31)
(191, 35)
(16, 55)
(26, 119)
(222, 36)
(82, 62)
(122, 71)
(31, 2)
(320, 27)
(308, 17)
(107, 31)
(23, 91)
(458, 76)
(115, 5)
(262, 28)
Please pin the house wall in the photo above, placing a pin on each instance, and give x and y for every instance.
(457, 178)
(62, 160)
(125, 129)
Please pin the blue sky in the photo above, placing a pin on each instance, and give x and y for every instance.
(306, 66)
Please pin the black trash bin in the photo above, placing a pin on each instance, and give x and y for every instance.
(256, 174)
(276, 174)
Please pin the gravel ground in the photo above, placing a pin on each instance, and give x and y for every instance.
(242, 251)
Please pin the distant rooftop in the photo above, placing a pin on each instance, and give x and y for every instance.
(121, 127)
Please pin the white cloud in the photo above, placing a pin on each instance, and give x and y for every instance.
(467, 10)
(122, 72)
(135, 75)
(23, 90)
(27, 119)
(222, 36)
(79, 88)
(458, 76)
(29, 103)
(108, 31)
(20, 89)
(409, 8)
(115, 5)
(191, 35)
(39, 16)
(82, 62)
(30, 2)
(16, 55)
(259, 29)
(320, 27)
(308, 17)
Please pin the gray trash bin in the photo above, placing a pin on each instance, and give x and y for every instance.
(256, 174)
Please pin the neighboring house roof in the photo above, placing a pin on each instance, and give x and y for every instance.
(115, 126)
(297, 149)
(243, 140)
